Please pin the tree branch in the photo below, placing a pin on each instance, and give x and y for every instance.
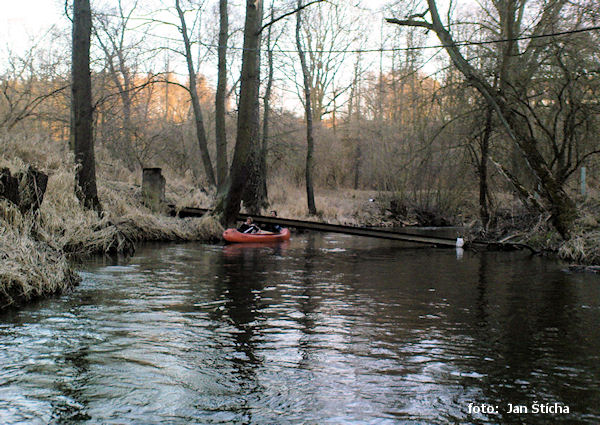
(410, 23)
(151, 80)
(285, 15)
(67, 11)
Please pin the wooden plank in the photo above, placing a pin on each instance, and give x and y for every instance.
(333, 228)
(356, 231)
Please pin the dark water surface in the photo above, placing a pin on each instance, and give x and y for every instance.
(324, 330)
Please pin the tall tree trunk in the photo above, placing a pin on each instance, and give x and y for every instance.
(484, 212)
(81, 107)
(310, 196)
(357, 158)
(199, 121)
(221, 135)
(248, 117)
(267, 105)
(254, 195)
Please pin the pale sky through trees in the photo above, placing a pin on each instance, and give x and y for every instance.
(23, 21)
(27, 23)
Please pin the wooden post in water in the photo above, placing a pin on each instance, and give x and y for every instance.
(153, 188)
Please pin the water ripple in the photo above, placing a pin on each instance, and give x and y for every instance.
(327, 330)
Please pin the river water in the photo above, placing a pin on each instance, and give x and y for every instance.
(327, 329)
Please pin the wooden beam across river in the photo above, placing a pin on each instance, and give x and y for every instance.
(333, 228)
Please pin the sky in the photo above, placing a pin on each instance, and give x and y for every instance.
(24, 20)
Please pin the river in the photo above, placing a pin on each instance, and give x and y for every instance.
(326, 329)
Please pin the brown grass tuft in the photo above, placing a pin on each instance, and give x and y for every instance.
(584, 245)
(582, 249)
(29, 268)
(34, 249)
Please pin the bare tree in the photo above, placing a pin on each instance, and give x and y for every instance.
(267, 101)
(514, 121)
(113, 41)
(23, 90)
(81, 107)
(221, 135)
(308, 115)
(198, 118)
(248, 117)
(327, 38)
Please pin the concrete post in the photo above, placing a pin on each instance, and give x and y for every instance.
(153, 188)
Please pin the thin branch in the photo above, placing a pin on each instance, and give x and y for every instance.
(285, 15)
(67, 11)
(151, 81)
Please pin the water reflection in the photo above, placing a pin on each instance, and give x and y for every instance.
(324, 329)
(308, 305)
(482, 301)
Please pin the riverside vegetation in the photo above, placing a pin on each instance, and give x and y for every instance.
(39, 250)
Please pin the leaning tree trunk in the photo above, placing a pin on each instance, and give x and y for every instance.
(309, 118)
(221, 135)
(248, 118)
(81, 107)
(482, 167)
(267, 107)
(198, 119)
(560, 205)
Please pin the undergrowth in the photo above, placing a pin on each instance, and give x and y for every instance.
(35, 248)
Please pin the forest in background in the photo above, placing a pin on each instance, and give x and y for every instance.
(398, 119)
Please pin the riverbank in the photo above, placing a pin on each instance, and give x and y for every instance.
(38, 250)
(518, 225)
(510, 221)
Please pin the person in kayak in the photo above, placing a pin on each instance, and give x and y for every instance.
(248, 226)
(275, 228)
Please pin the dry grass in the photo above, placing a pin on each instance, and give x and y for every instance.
(34, 250)
(29, 268)
(125, 222)
(342, 206)
(363, 207)
(518, 225)
(584, 246)
(582, 249)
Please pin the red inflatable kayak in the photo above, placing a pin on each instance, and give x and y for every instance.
(232, 235)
